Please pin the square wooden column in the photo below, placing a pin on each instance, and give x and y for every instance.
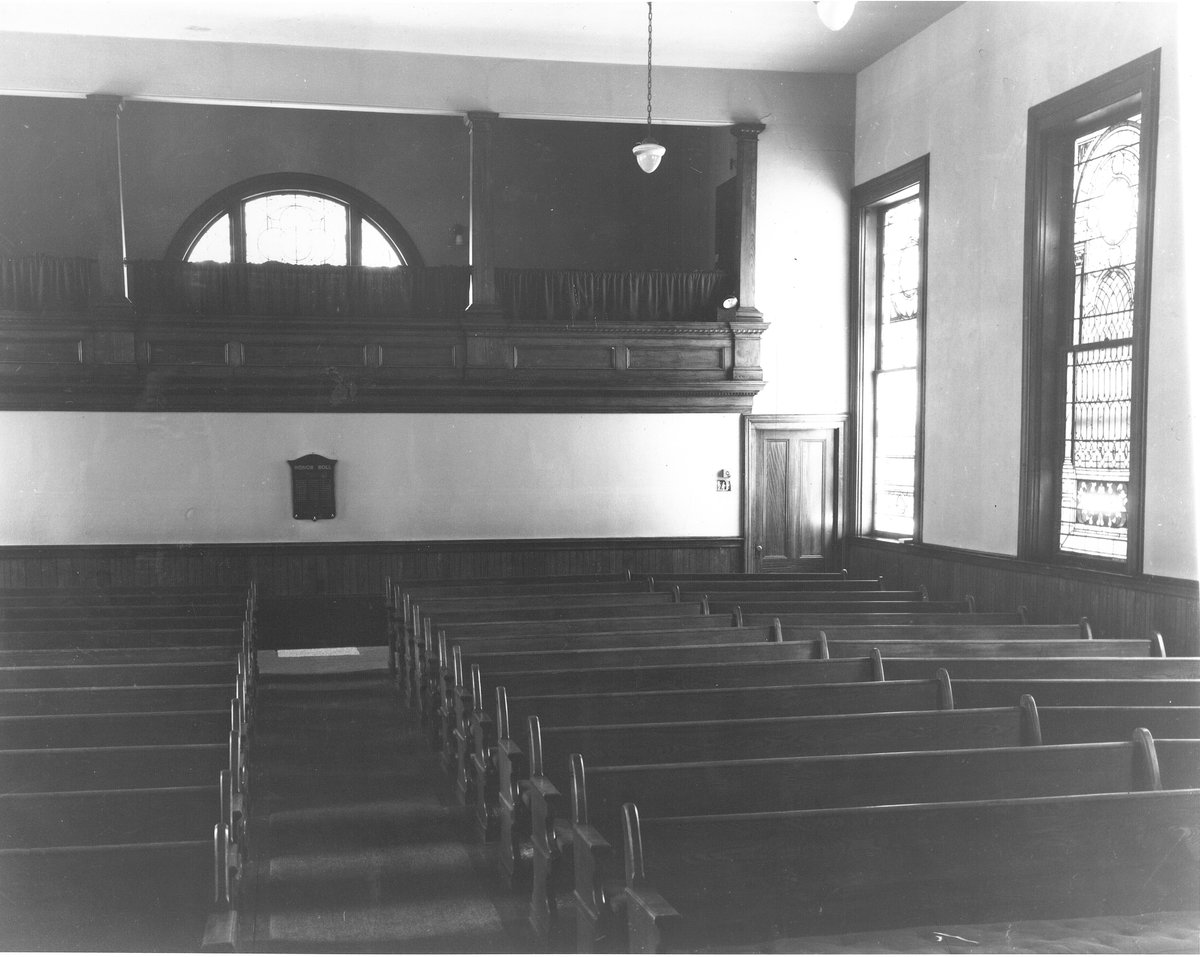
(484, 302)
(747, 215)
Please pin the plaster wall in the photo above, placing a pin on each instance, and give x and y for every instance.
(961, 91)
(145, 478)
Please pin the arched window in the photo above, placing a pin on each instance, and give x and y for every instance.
(293, 218)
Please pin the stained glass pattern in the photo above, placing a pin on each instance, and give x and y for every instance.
(896, 371)
(296, 228)
(1099, 360)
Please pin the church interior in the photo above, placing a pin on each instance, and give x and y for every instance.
(489, 477)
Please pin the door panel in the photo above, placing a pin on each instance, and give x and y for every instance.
(792, 495)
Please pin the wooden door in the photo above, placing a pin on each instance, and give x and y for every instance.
(793, 489)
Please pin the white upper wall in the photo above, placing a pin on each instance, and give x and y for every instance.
(961, 91)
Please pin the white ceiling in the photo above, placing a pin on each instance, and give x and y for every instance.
(737, 34)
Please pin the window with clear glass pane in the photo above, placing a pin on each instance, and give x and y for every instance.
(896, 383)
(213, 245)
(296, 228)
(1099, 359)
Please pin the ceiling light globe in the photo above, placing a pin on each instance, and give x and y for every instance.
(649, 154)
(835, 14)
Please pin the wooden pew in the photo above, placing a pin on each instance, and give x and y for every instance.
(116, 673)
(518, 648)
(116, 699)
(992, 692)
(202, 726)
(471, 723)
(899, 648)
(103, 636)
(768, 586)
(784, 608)
(720, 882)
(808, 782)
(681, 577)
(493, 741)
(116, 816)
(1178, 762)
(978, 625)
(181, 654)
(724, 599)
(548, 748)
(802, 623)
(140, 898)
(531, 606)
(425, 661)
(1113, 722)
(1043, 667)
(106, 768)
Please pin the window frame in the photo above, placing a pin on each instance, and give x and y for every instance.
(1053, 127)
(867, 203)
(230, 201)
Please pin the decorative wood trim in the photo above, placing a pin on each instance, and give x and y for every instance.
(352, 568)
(1117, 605)
(250, 364)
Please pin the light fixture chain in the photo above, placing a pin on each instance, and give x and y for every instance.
(649, 60)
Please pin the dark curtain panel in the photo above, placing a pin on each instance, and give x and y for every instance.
(47, 283)
(579, 295)
(273, 289)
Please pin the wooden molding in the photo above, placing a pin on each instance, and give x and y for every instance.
(186, 364)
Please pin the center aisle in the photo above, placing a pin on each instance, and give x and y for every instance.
(355, 850)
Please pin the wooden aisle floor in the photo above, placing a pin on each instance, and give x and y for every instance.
(356, 848)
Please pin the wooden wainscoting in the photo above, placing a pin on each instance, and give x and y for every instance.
(351, 568)
(1117, 606)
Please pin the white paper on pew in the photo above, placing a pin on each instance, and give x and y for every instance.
(316, 652)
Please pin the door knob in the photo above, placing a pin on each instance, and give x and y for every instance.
(758, 550)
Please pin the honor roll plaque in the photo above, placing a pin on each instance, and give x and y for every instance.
(312, 487)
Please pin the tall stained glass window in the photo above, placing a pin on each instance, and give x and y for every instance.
(897, 350)
(1099, 359)
(1090, 169)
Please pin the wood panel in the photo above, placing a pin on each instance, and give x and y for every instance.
(352, 568)
(1116, 605)
(360, 364)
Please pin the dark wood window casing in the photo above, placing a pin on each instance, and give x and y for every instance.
(868, 203)
(1054, 127)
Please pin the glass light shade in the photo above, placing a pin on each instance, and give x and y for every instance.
(649, 154)
(835, 14)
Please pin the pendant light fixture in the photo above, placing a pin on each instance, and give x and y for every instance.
(835, 14)
(649, 152)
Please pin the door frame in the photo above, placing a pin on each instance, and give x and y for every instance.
(755, 425)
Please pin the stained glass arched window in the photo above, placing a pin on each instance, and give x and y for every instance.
(296, 219)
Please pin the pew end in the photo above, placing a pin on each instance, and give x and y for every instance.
(649, 918)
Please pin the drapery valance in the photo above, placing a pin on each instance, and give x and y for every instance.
(277, 289)
(52, 283)
(48, 283)
(575, 295)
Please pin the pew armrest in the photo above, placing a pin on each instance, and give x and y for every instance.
(651, 922)
(547, 809)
